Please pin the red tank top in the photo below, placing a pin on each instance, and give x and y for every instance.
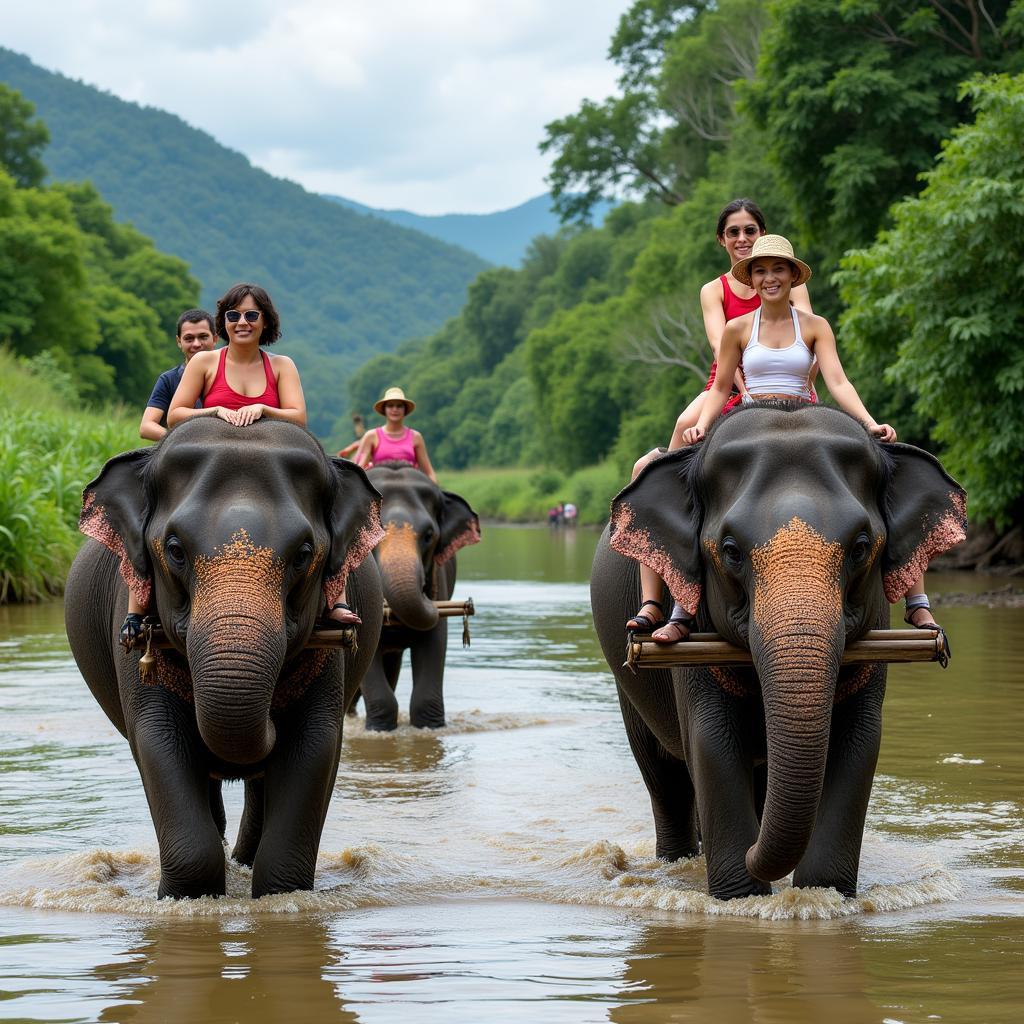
(223, 394)
(390, 449)
(732, 305)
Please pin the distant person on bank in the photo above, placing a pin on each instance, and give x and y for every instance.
(194, 334)
(239, 384)
(394, 441)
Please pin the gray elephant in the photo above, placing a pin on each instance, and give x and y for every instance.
(787, 531)
(238, 539)
(423, 528)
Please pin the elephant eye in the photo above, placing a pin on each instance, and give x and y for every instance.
(731, 553)
(302, 557)
(174, 551)
(860, 549)
(428, 534)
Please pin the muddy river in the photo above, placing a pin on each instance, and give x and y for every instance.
(503, 868)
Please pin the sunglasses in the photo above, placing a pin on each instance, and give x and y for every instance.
(750, 230)
(251, 316)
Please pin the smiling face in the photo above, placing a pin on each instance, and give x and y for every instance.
(195, 337)
(738, 235)
(772, 277)
(244, 332)
(394, 412)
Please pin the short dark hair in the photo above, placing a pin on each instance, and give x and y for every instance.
(193, 316)
(747, 206)
(234, 295)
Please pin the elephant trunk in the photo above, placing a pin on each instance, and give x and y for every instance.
(236, 647)
(403, 578)
(797, 640)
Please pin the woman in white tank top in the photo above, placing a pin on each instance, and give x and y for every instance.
(775, 346)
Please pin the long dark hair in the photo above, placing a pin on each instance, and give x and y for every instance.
(234, 295)
(747, 206)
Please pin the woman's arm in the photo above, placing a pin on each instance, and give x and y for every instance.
(190, 389)
(729, 352)
(834, 375)
(421, 455)
(367, 446)
(150, 426)
(801, 298)
(713, 313)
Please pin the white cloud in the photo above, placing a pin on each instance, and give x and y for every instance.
(433, 107)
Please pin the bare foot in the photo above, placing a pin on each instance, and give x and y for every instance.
(673, 631)
(342, 613)
(922, 618)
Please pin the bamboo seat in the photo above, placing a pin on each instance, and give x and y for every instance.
(445, 610)
(877, 645)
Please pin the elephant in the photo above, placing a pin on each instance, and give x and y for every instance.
(787, 531)
(423, 528)
(239, 538)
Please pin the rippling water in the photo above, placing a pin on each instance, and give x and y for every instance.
(507, 861)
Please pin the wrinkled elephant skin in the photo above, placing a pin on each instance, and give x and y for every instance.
(237, 539)
(423, 528)
(787, 531)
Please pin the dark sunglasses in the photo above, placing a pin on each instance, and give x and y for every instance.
(750, 230)
(251, 316)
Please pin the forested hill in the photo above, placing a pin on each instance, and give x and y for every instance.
(348, 286)
(501, 237)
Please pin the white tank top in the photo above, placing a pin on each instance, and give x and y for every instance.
(777, 371)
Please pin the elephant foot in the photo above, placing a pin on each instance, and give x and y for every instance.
(428, 721)
(739, 890)
(381, 725)
(672, 851)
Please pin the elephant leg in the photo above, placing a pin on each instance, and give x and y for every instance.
(832, 858)
(392, 668)
(217, 807)
(669, 785)
(379, 698)
(172, 763)
(723, 778)
(250, 830)
(297, 784)
(426, 704)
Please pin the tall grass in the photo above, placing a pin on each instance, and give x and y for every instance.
(49, 450)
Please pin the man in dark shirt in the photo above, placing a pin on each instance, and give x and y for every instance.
(194, 334)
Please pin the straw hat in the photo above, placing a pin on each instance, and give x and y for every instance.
(394, 395)
(771, 245)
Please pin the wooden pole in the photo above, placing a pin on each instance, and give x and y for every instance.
(878, 645)
(341, 638)
(445, 610)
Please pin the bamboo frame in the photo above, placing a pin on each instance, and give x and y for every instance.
(445, 610)
(338, 637)
(877, 645)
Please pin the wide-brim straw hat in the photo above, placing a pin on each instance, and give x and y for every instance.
(394, 395)
(771, 245)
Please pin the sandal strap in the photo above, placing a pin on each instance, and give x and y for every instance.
(657, 604)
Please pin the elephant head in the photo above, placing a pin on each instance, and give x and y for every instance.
(787, 529)
(240, 537)
(423, 528)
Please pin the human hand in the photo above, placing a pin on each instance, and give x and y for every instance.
(692, 435)
(882, 431)
(249, 414)
(227, 415)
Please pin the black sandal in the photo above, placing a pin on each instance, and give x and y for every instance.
(683, 624)
(131, 629)
(354, 621)
(641, 623)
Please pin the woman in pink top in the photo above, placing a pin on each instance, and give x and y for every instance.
(394, 442)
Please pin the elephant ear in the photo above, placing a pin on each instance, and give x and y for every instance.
(114, 513)
(656, 520)
(459, 527)
(354, 523)
(926, 514)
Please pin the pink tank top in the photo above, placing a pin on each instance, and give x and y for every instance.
(390, 449)
(223, 394)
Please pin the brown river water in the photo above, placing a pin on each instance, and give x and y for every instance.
(503, 868)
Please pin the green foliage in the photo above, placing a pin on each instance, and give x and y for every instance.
(22, 139)
(49, 450)
(347, 286)
(855, 98)
(936, 301)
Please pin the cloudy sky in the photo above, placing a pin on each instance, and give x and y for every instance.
(435, 106)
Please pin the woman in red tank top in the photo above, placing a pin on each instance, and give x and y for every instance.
(241, 383)
(722, 299)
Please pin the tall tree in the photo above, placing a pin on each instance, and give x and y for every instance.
(856, 96)
(936, 308)
(22, 139)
